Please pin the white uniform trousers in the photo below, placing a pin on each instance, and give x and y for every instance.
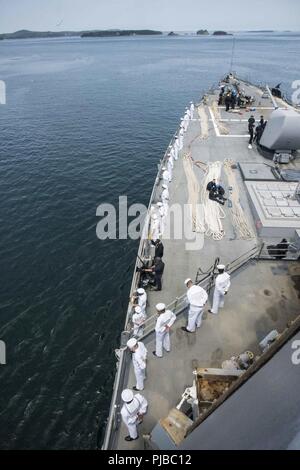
(140, 375)
(218, 301)
(162, 342)
(132, 429)
(138, 331)
(194, 318)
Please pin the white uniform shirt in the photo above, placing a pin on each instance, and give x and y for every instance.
(166, 176)
(130, 410)
(197, 296)
(139, 357)
(223, 283)
(164, 319)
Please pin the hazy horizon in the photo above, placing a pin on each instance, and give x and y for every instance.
(162, 15)
(153, 29)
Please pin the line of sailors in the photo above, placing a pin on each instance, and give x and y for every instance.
(135, 405)
(160, 212)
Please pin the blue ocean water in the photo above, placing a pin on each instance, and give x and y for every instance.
(87, 120)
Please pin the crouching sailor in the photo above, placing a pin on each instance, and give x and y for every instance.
(139, 357)
(138, 321)
(132, 412)
(222, 286)
(197, 298)
(165, 321)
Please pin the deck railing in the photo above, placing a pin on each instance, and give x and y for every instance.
(178, 306)
(143, 252)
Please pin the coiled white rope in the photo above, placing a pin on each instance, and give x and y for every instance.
(193, 190)
(222, 128)
(203, 122)
(206, 215)
(213, 212)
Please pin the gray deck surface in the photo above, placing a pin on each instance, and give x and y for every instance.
(263, 295)
(268, 415)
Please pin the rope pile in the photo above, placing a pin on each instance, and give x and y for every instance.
(239, 219)
(222, 128)
(213, 212)
(207, 215)
(193, 190)
(203, 122)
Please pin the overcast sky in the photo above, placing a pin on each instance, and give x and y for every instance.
(166, 15)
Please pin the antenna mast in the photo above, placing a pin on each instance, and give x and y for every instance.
(232, 55)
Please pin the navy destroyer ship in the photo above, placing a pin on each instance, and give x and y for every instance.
(234, 383)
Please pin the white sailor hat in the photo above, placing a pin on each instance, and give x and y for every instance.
(127, 395)
(164, 186)
(160, 307)
(160, 204)
(187, 281)
(221, 266)
(154, 217)
(138, 310)
(141, 291)
(163, 168)
(131, 343)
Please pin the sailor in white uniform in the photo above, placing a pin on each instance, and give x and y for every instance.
(139, 357)
(170, 166)
(132, 412)
(155, 227)
(172, 153)
(186, 119)
(171, 160)
(142, 299)
(166, 176)
(222, 285)
(162, 214)
(192, 109)
(164, 322)
(181, 134)
(184, 123)
(197, 298)
(176, 148)
(138, 321)
(165, 198)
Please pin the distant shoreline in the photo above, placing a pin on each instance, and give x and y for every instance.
(27, 34)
